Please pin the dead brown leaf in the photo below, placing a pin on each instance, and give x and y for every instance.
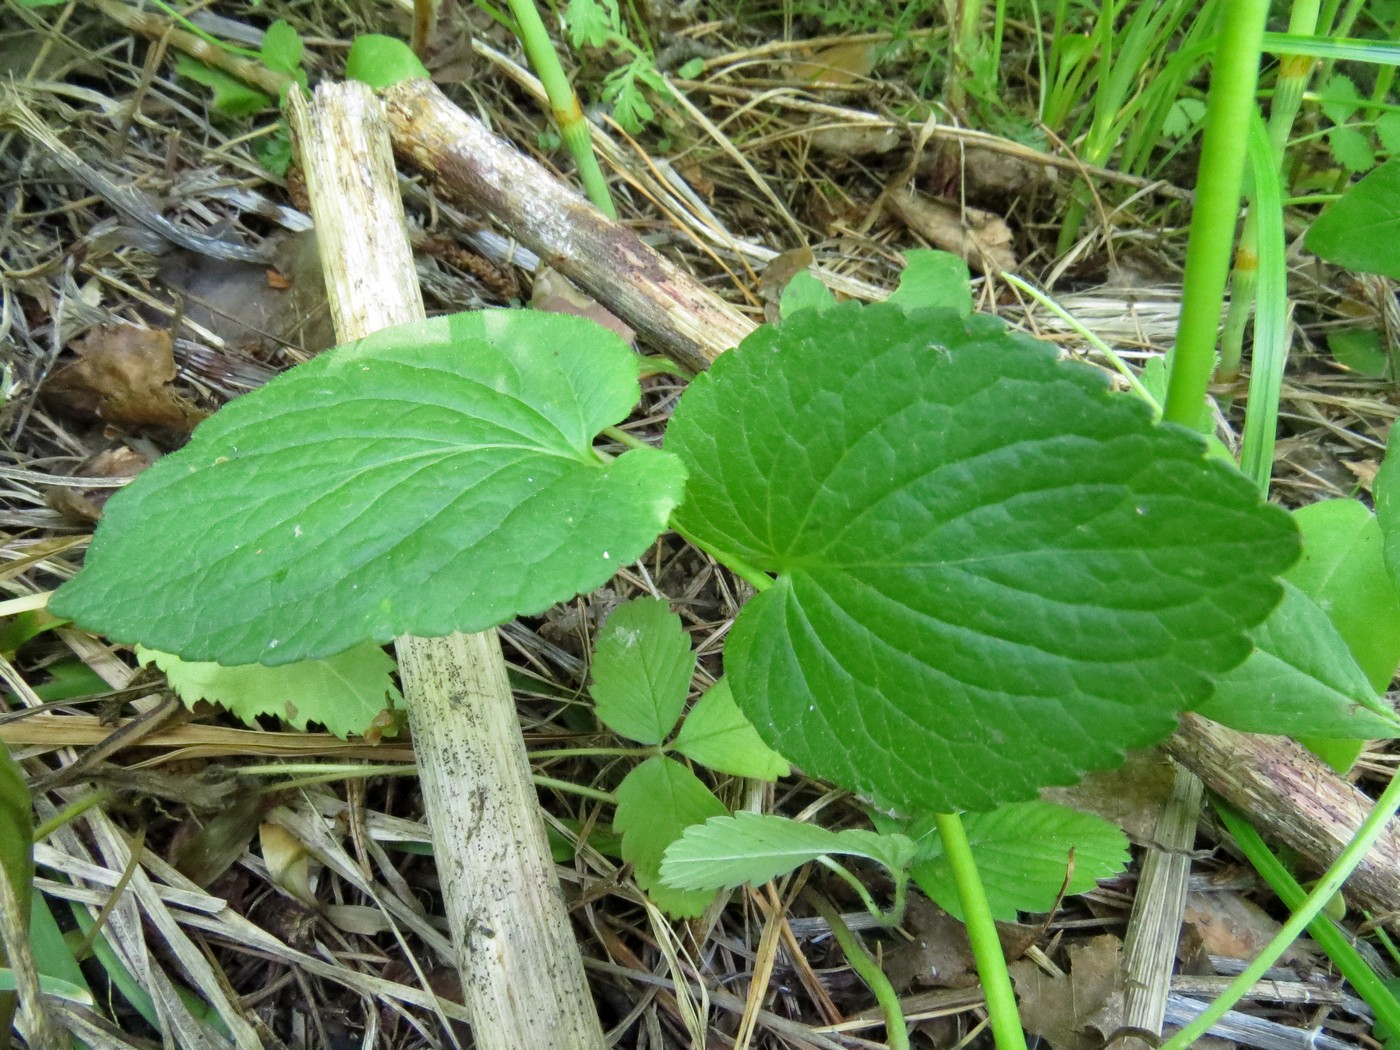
(124, 375)
(841, 66)
(86, 505)
(1131, 796)
(980, 237)
(937, 955)
(1081, 1009)
(554, 293)
(1232, 926)
(777, 275)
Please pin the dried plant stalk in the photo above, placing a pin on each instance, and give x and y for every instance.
(663, 303)
(519, 962)
(1293, 797)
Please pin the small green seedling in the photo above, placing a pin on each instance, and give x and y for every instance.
(642, 669)
(281, 52)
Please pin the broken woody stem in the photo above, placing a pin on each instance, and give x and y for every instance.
(522, 975)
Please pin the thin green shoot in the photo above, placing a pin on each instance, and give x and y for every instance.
(896, 1030)
(760, 580)
(1333, 941)
(1229, 108)
(1326, 888)
(623, 438)
(563, 103)
(982, 935)
(568, 787)
(73, 810)
(1293, 75)
(1098, 344)
(204, 35)
(1271, 318)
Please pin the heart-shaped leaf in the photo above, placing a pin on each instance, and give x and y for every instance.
(994, 574)
(432, 478)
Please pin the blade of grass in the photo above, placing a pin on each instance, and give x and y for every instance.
(1271, 320)
(1326, 888)
(1333, 941)
(1293, 74)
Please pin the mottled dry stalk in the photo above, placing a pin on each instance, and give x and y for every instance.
(1149, 946)
(1293, 797)
(668, 307)
(516, 953)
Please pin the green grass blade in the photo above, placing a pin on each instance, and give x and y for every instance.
(1271, 320)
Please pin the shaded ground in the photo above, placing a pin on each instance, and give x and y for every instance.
(154, 268)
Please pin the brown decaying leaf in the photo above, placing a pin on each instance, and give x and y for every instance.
(779, 272)
(555, 293)
(937, 955)
(86, 505)
(1232, 926)
(1131, 796)
(124, 375)
(840, 66)
(980, 237)
(1080, 1009)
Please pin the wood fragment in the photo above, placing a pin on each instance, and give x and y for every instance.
(1292, 797)
(671, 309)
(1149, 947)
(515, 950)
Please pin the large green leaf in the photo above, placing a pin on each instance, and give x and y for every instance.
(725, 852)
(1387, 493)
(1343, 570)
(1362, 230)
(642, 665)
(994, 574)
(1024, 854)
(348, 693)
(1301, 680)
(432, 478)
(656, 802)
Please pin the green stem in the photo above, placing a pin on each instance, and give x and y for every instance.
(1332, 940)
(568, 115)
(1356, 850)
(1228, 110)
(761, 580)
(208, 38)
(857, 887)
(623, 438)
(896, 1030)
(1292, 82)
(575, 789)
(982, 934)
